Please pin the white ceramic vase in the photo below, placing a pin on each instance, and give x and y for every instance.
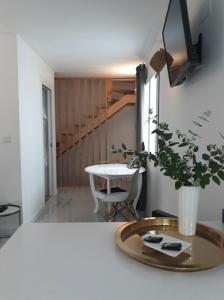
(188, 209)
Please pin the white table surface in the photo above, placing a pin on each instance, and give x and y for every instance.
(80, 261)
(112, 170)
(109, 172)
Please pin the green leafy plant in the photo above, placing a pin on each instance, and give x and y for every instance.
(179, 158)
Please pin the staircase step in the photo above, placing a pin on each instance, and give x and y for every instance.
(123, 91)
(101, 107)
(113, 100)
(123, 79)
(66, 134)
(88, 123)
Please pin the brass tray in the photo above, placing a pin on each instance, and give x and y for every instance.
(206, 252)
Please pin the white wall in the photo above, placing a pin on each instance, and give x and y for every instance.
(22, 74)
(180, 105)
(33, 72)
(10, 172)
(122, 128)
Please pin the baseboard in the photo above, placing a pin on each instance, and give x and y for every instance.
(38, 214)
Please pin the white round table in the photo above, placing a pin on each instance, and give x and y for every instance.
(109, 172)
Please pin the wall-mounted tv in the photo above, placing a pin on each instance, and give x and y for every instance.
(181, 55)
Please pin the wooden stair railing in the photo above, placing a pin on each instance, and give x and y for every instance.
(90, 123)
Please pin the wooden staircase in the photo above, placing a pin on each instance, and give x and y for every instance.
(119, 93)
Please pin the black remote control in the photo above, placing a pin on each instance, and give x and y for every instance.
(153, 239)
(172, 246)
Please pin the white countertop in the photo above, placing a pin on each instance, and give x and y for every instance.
(80, 261)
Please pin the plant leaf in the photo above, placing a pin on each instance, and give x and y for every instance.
(221, 174)
(203, 118)
(214, 166)
(173, 144)
(216, 179)
(183, 145)
(205, 156)
(197, 124)
(124, 146)
(142, 146)
(178, 185)
(222, 136)
(156, 163)
(168, 136)
(204, 180)
(196, 149)
(130, 152)
(161, 144)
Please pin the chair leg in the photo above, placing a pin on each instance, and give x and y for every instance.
(115, 207)
(136, 215)
(111, 217)
(133, 211)
(130, 208)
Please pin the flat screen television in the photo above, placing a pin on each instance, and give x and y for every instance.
(181, 55)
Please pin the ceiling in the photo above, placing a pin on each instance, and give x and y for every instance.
(94, 38)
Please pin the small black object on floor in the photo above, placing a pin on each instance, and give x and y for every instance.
(113, 190)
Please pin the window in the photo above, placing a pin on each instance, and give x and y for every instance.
(145, 117)
(150, 103)
(154, 107)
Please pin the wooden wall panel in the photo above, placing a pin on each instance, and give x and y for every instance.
(81, 104)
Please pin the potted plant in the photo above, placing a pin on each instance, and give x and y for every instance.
(179, 157)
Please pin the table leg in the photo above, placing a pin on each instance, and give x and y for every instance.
(139, 183)
(93, 190)
(20, 218)
(109, 205)
(108, 186)
(110, 209)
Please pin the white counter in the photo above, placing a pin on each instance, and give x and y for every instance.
(80, 261)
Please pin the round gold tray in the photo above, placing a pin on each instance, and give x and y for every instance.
(206, 252)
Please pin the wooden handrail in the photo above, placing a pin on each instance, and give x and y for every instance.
(116, 107)
(100, 119)
(123, 91)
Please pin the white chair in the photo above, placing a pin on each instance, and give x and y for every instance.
(128, 199)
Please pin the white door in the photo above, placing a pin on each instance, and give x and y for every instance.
(47, 128)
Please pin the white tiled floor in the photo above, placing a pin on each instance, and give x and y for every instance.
(73, 204)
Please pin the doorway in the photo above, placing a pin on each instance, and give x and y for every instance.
(47, 134)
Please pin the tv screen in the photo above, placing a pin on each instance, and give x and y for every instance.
(181, 55)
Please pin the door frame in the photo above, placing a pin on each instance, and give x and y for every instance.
(50, 137)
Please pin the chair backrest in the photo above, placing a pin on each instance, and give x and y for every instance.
(134, 188)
